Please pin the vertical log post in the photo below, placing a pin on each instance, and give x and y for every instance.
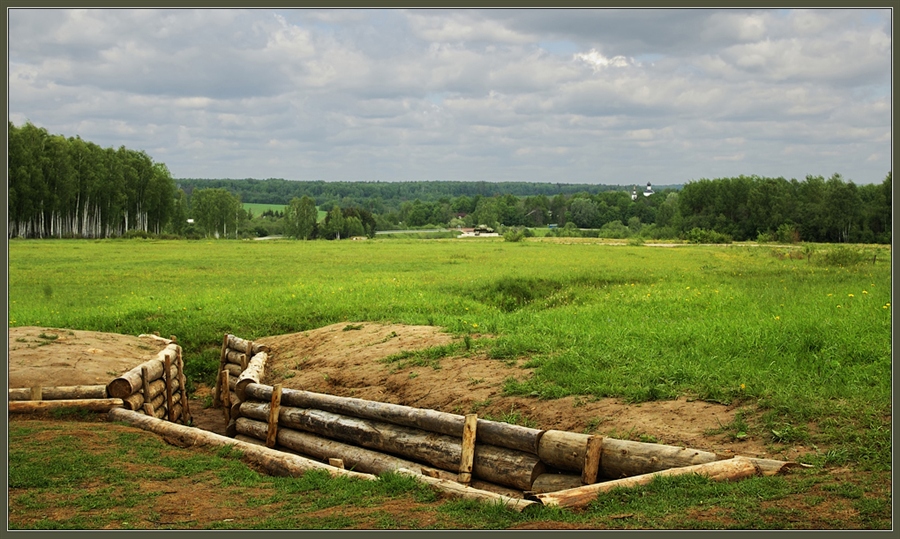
(145, 388)
(468, 450)
(182, 386)
(592, 460)
(217, 397)
(274, 409)
(226, 395)
(170, 406)
(37, 393)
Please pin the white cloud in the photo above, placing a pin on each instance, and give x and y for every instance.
(464, 94)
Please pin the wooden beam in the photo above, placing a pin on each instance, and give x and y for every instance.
(722, 470)
(274, 409)
(91, 405)
(467, 456)
(273, 461)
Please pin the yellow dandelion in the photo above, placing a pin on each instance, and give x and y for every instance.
(864, 292)
(743, 386)
(777, 318)
(849, 295)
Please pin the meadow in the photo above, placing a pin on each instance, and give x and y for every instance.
(802, 335)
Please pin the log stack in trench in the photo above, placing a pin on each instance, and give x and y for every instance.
(545, 466)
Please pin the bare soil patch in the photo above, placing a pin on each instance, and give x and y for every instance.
(67, 357)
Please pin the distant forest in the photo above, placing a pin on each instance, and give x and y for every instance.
(67, 187)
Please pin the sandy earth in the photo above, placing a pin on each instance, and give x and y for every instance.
(352, 360)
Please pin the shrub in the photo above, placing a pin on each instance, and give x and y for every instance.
(701, 235)
(514, 235)
(842, 256)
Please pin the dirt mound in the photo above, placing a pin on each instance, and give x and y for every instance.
(355, 360)
(66, 357)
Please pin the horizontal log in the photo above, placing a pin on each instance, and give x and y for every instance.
(551, 482)
(234, 371)
(239, 344)
(563, 450)
(130, 382)
(235, 358)
(251, 375)
(134, 401)
(60, 393)
(469, 493)
(273, 461)
(91, 405)
(495, 464)
(488, 432)
(354, 457)
(721, 470)
(625, 458)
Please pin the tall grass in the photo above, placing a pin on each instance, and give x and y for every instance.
(725, 324)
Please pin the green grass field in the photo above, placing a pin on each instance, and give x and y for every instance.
(806, 341)
(258, 209)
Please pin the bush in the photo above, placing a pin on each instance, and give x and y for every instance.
(701, 235)
(135, 233)
(842, 256)
(514, 235)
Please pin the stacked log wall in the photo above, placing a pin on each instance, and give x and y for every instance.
(155, 387)
(376, 437)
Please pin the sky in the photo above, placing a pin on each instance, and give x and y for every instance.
(596, 96)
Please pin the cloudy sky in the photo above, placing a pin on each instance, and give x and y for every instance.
(572, 96)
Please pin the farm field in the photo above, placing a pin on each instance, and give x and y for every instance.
(795, 342)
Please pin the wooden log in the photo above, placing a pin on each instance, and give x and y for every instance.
(236, 359)
(91, 405)
(488, 432)
(158, 387)
(618, 458)
(217, 393)
(233, 370)
(241, 345)
(182, 385)
(591, 467)
(60, 393)
(160, 402)
(131, 381)
(134, 402)
(337, 463)
(495, 464)
(274, 408)
(251, 375)
(225, 394)
(37, 393)
(624, 458)
(169, 392)
(274, 462)
(148, 409)
(354, 457)
(552, 482)
(563, 450)
(145, 388)
(774, 467)
(722, 470)
(467, 456)
(454, 488)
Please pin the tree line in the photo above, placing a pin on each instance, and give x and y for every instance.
(65, 187)
(68, 187)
